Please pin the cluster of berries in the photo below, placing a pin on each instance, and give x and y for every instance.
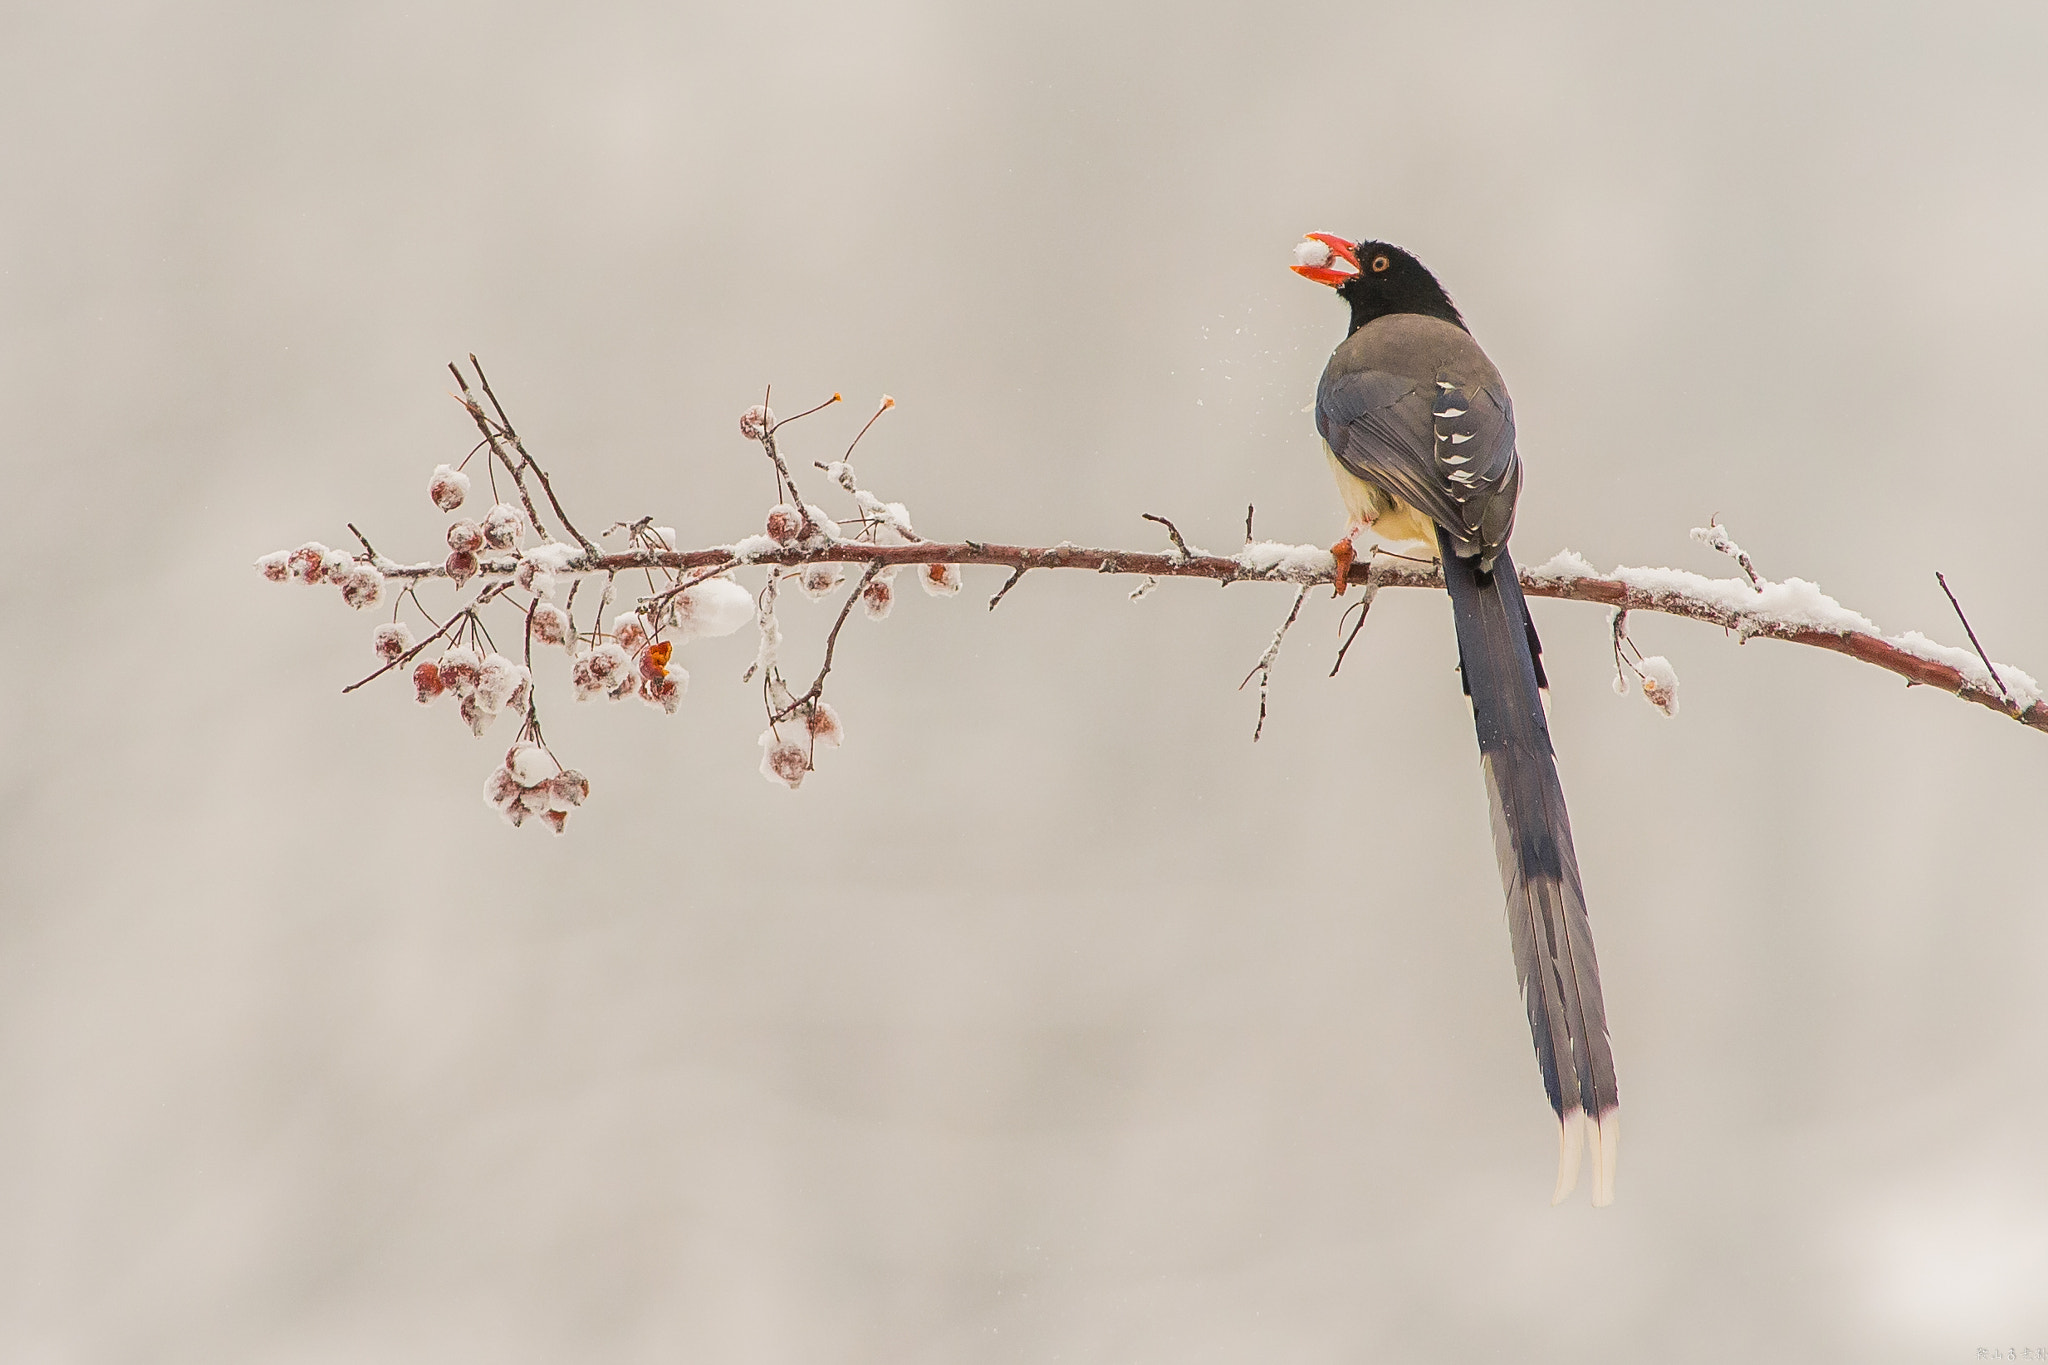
(787, 755)
(628, 662)
(360, 583)
(487, 685)
(530, 782)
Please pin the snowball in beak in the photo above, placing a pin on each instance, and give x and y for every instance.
(1321, 257)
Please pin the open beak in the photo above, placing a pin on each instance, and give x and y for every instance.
(1323, 266)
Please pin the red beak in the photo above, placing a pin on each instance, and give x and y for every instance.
(1327, 273)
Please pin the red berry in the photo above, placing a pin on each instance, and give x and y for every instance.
(391, 640)
(448, 488)
(667, 693)
(426, 680)
(461, 567)
(567, 788)
(465, 535)
(503, 526)
(550, 624)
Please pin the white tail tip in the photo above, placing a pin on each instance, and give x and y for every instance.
(1571, 1143)
(1606, 1152)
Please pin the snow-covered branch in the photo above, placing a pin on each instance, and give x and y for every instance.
(693, 592)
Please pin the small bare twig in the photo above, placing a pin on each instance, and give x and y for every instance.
(1988, 665)
(1180, 546)
(1263, 669)
(529, 462)
(368, 548)
(1362, 606)
(817, 688)
(1248, 523)
(495, 436)
(1008, 584)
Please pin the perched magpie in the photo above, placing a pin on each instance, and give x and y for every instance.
(1421, 435)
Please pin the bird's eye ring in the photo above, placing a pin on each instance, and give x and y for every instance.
(1379, 264)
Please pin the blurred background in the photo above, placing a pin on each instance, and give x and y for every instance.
(1051, 1019)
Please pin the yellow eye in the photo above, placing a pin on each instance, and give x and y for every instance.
(1380, 263)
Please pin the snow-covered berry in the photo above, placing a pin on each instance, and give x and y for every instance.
(783, 758)
(550, 624)
(567, 788)
(500, 786)
(557, 820)
(820, 579)
(529, 764)
(497, 680)
(361, 586)
(600, 670)
(717, 606)
(426, 681)
(391, 640)
(448, 487)
(465, 535)
(504, 526)
(755, 421)
(532, 576)
(1660, 683)
(877, 598)
(461, 566)
(666, 691)
(308, 563)
(476, 715)
(514, 813)
(460, 669)
(824, 725)
(785, 523)
(276, 567)
(940, 580)
(629, 630)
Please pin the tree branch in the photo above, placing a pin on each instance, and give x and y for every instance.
(1802, 617)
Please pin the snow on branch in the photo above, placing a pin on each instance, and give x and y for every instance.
(692, 593)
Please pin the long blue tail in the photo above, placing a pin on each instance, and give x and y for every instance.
(1532, 837)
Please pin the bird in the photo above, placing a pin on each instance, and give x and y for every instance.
(1421, 435)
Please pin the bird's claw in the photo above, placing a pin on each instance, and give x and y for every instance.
(1344, 552)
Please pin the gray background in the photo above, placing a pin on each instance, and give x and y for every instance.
(1051, 1020)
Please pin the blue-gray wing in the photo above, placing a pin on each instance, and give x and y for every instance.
(1446, 448)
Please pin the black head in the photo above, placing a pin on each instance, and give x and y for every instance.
(1375, 278)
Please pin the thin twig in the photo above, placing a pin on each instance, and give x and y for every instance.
(468, 613)
(817, 688)
(1362, 606)
(1010, 583)
(496, 438)
(545, 486)
(1263, 669)
(368, 548)
(1173, 531)
(1715, 537)
(1989, 666)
